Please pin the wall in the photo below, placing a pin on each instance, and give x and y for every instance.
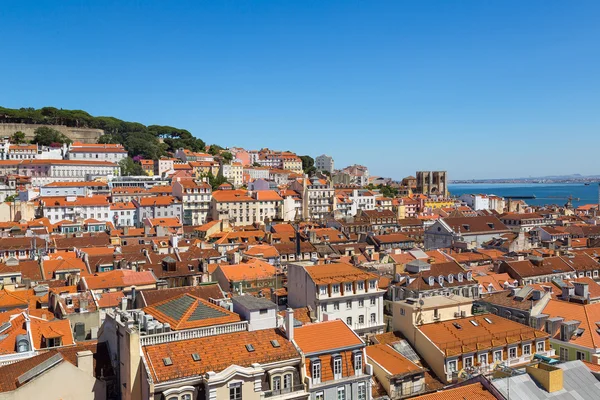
(9, 211)
(64, 381)
(84, 135)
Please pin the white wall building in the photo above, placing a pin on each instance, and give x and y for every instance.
(71, 208)
(196, 198)
(324, 163)
(97, 152)
(476, 201)
(43, 172)
(338, 291)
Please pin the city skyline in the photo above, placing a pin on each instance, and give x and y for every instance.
(366, 85)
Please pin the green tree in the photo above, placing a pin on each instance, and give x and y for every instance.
(11, 198)
(215, 181)
(255, 164)
(130, 167)
(18, 137)
(307, 162)
(107, 139)
(227, 156)
(214, 149)
(46, 136)
(310, 170)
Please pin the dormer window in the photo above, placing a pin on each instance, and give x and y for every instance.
(450, 278)
(335, 288)
(441, 279)
(348, 288)
(460, 277)
(322, 289)
(466, 227)
(372, 284)
(337, 367)
(316, 370)
(358, 363)
(469, 276)
(431, 281)
(361, 286)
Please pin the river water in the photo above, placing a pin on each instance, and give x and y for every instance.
(546, 193)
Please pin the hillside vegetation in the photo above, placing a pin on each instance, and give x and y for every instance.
(138, 139)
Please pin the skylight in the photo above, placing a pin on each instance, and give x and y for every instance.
(489, 321)
(167, 361)
(275, 343)
(250, 348)
(195, 356)
(457, 325)
(474, 322)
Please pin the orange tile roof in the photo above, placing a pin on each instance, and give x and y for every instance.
(390, 360)
(122, 206)
(10, 299)
(79, 201)
(119, 278)
(476, 391)
(157, 201)
(262, 250)
(107, 300)
(42, 329)
(217, 353)
(10, 373)
(325, 336)
(50, 267)
(253, 269)
(587, 314)
(198, 312)
(337, 272)
(75, 184)
(501, 331)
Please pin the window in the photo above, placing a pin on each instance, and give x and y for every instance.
(483, 359)
(361, 286)
(316, 371)
(498, 356)
(512, 352)
(372, 284)
(362, 391)
(276, 383)
(361, 303)
(235, 391)
(320, 396)
(348, 287)
(526, 349)
(349, 321)
(468, 361)
(287, 381)
(349, 304)
(402, 312)
(336, 288)
(581, 356)
(337, 367)
(540, 346)
(186, 397)
(323, 307)
(564, 354)
(452, 366)
(361, 319)
(336, 305)
(372, 301)
(341, 393)
(358, 364)
(323, 289)
(373, 318)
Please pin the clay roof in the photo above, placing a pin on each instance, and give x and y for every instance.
(393, 238)
(11, 299)
(392, 361)
(29, 269)
(325, 336)
(471, 225)
(119, 278)
(475, 391)
(547, 266)
(205, 291)
(452, 340)
(323, 274)
(587, 314)
(157, 201)
(253, 269)
(10, 373)
(109, 300)
(216, 353)
(263, 250)
(186, 312)
(581, 262)
(51, 267)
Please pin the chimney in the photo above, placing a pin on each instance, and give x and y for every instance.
(85, 361)
(289, 324)
(567, 292)
(552, 325)
(581, 289)
(567, 330)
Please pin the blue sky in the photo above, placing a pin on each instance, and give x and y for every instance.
(479, 88)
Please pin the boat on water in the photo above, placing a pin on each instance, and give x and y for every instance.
(586, 184)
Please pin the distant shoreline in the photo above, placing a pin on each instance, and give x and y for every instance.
(532, 181)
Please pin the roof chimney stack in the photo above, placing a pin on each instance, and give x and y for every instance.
(289, 324)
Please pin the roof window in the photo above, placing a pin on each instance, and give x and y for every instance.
(486, 319)
(167, 361)
(457, 325)
(275, 343)
(250, 348)
(196, 357)
(474, 322)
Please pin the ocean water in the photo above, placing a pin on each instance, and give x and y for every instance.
(546, 193)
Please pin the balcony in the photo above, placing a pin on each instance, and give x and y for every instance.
(294, 392)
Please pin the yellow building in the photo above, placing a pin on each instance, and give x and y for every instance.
(436, 204)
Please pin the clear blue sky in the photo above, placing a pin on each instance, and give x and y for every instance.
(479, 88)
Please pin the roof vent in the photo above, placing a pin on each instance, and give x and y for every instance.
(195, 356)
(167, 361)
(275, 343)
(474, 322)
(250, 348)
(486, 319)
(457, 325)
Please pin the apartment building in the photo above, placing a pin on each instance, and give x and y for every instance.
(124, 214)
(338, 291)
(333, 358)
(318, 197)
(243, 207)
(73, 208)
(233, 172)
(97, 152)
(324, 163)
(43, 172)
(157, 207)
(195, 197)
(473, 231)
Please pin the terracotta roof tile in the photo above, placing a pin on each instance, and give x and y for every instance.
(325, 336)
(475, 391)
